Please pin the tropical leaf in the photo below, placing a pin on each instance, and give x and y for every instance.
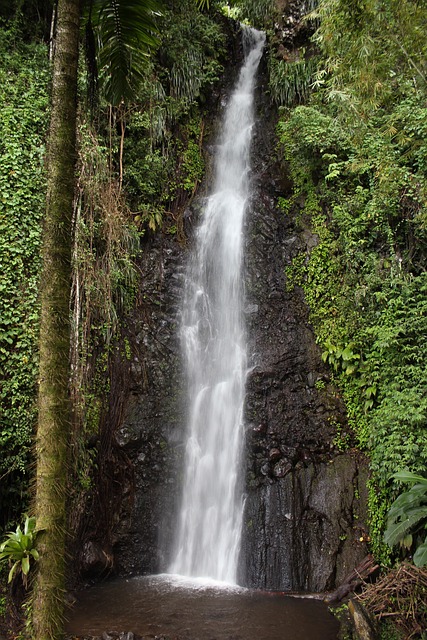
(420, 556)
(186, 77)
(126, 33)
(18, 547)
(29, 526)
(397, 531)
(407, 476)
(12, 571)
(25, 565)
(407, 500)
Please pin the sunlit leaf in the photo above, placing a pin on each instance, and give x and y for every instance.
(25, 564)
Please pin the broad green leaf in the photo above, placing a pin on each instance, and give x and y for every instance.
(395, 532)
(420, 556)
(25, 565)
(24, 542)
(407, 500)
(407, 476)
(12, 546)
(407, 541)
(29, 525)
(12, 571)
(348, 354)
(350, 369)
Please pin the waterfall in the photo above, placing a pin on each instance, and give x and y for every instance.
(213, 343)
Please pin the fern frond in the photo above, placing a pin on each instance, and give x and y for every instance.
(127, 32)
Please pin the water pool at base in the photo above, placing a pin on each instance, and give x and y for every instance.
(183, 610)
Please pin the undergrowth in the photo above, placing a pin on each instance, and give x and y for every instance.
(365, 279)
(23, 122)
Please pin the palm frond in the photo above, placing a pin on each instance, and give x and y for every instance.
(127, 33)
(290, 82)
(185, 75)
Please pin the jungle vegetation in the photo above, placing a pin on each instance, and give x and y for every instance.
(352, 134)
(356, 151)
(121, 41)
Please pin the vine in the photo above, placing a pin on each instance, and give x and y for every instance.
(23, 122)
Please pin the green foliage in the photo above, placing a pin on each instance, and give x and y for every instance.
(163, 162)
(387, 631)
(372, 51)
(124, 32)
(23, 122)
(342, 440)
(257, 12)
(342, 359)
(407, 517)
(103, 292)
(156, 182)
(359, 189)
(191, 53)
(290, 80)
(192, 166)
(19, 548)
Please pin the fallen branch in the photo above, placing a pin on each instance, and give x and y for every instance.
(358, 576)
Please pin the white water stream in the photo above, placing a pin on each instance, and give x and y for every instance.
(213, 339)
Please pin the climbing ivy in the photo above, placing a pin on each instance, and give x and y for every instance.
(139, 165)
(23, 121)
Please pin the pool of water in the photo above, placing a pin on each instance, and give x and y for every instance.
(184, 610)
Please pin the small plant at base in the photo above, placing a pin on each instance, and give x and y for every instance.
(19, 548)
(409, 513)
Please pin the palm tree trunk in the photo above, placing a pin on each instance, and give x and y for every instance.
(54, 404)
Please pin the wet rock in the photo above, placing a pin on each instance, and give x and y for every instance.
(274, 454)
(260, 428)
(303, 534)
(265, 469)
(304, 501)
(95, 560)
(251, 308)
(282, 468)
(291, 453)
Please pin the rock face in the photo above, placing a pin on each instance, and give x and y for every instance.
(152, 428)
(304, 511)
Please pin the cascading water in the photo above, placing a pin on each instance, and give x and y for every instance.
(213, 339)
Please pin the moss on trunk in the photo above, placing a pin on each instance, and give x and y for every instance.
(54, 406)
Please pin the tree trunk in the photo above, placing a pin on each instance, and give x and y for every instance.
(54, 404)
